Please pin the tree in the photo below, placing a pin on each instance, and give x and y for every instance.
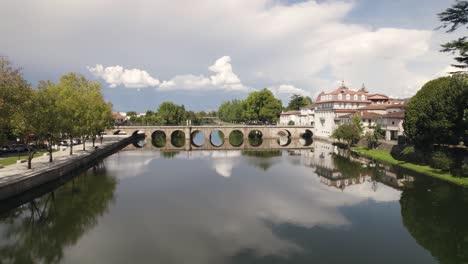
(436, 113)
(297, 102)
(453, 18)
(48, 115)
(14, 93)
(262, 106)
(171, 114)
(349, 132)
(374, 136)
(232, 111)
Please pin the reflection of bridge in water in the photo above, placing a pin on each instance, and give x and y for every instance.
(217, 137)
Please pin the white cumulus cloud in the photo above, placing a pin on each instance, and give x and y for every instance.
(285, 91)
(117, 75)
(223, 79)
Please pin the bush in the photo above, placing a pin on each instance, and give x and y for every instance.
(291, 123)
(410, 154)
(441, 161)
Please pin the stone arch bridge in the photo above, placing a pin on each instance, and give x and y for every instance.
(267, 133)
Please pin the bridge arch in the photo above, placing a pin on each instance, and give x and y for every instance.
(178, 138)
(217, 138)
(236, 138)
(255, 138)
(138, 133)
(158, 139)
(197, 138)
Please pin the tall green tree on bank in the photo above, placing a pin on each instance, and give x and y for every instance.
(437, 113)
(15, 92)
(349, 132)
(262, 106)
(298, 101)
(48, 115)
(453, 18)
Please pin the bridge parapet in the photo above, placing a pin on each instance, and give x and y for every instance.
(264, 132)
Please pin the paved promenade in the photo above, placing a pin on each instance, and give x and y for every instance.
(18, 170)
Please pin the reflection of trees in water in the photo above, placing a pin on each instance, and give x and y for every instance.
(38, 232)
(348, 168)
(178, 138)
(158, 139)
(236, 138)
(169, 154)
(265, 161)
(435, 215)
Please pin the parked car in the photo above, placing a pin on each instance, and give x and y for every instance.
(63, 143)
(18, 148)
(6, 149)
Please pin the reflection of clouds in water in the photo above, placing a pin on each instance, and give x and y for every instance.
(222, 161)
(135, 164)
(190, 218)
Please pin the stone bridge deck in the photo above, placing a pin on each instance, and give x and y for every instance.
(297, 135)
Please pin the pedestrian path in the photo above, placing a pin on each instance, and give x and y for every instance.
(42, 162)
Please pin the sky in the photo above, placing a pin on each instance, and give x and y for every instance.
(200, 53)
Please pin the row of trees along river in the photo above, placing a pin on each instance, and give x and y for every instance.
(71, 109)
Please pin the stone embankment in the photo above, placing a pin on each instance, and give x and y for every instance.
(15, 180)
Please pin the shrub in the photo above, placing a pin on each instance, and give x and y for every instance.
(291, 123)
(410, 154)
(441, 161)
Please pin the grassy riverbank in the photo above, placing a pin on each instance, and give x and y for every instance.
(384, 156)
(12, 160)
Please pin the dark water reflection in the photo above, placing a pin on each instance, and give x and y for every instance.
(308, 206)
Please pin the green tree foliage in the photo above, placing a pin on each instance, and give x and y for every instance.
(436, 113)
(349, 132)
(374, 136)
(297, 102)
(171, 114)
(72, 108)
(262, 106)
(453, 18)
(15, 94)
(231, 111)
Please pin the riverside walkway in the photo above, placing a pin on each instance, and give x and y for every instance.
(17, 178)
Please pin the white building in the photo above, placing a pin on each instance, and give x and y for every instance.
(329, 107)
(302, 117)
(339, 106)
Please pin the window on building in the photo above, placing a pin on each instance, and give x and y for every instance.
(393, 122)
(355, 97)
(348, 97)
(340, 97)
(363, 98)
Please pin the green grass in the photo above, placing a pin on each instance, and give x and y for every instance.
(13, 159)
(384, 156)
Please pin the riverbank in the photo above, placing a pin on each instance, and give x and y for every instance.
(16, 178)
(386, 157)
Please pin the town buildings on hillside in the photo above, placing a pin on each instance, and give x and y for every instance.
(340, 105)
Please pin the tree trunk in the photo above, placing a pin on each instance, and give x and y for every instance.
(94, 140)
(30, 157)
(71, 146)
(49, 149)
(84, 143)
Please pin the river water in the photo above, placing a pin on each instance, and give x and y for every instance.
(306, 206)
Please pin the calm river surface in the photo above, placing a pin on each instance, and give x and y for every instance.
(307, 206)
